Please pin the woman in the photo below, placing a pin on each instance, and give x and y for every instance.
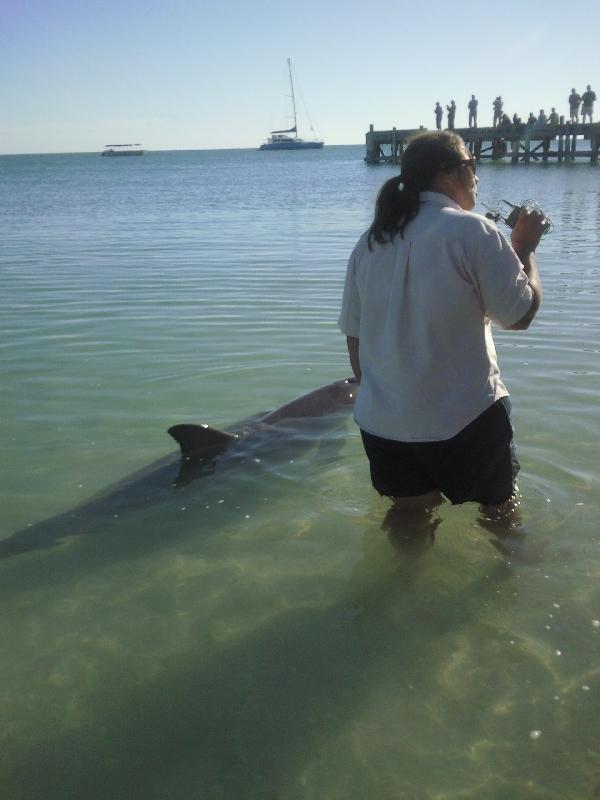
(422, 287)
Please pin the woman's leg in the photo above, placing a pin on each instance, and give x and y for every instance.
(411, 522)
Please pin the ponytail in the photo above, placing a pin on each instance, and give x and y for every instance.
(397, 203)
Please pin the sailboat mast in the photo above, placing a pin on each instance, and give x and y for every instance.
(293, 98)
(281, 140)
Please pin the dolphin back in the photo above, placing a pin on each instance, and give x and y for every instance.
(324, 400)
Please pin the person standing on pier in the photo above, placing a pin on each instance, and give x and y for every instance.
(423, 286)
(542, 119)
(574, 103)
(553, 118)
(498, 106)
(587, 104)
(439, 113)
(473, 102)
(451, 109)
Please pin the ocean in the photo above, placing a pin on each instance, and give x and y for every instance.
(256, 634)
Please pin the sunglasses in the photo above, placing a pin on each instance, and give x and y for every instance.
(469, 162)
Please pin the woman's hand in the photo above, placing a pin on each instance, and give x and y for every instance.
(527, 232)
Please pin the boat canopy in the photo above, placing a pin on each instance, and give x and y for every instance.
(289, 130)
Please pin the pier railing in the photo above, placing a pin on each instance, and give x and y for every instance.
(519, 143)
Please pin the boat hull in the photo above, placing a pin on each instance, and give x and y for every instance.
(130, 153)
(292, 146)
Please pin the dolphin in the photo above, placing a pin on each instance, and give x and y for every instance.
(201, 449)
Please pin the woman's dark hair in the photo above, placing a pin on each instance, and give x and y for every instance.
(426, 155)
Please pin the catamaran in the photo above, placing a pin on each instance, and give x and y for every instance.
(283, 140)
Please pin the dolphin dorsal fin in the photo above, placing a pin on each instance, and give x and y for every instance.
(199, 440)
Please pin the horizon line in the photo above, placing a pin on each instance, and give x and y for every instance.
(158, 150)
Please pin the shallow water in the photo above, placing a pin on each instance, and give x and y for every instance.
(255, 634)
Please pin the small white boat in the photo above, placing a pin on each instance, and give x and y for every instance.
(282, 140)
(123, 150)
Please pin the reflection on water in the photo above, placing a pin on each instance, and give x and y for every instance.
(274, 630)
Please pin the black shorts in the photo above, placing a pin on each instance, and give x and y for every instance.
(479, 464)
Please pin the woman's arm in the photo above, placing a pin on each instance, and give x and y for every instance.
(352, 343)
(525, 238)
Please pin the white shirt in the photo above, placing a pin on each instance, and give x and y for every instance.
(421, 308)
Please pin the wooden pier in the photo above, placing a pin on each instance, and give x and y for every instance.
(523, 144)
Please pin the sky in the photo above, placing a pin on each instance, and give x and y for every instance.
(184, 74)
